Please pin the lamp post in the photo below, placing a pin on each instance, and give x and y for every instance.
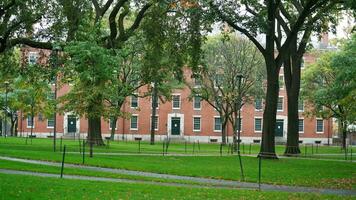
(239, 124)
(55, 65)
(5, 119)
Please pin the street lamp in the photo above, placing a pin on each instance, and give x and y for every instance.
(6, 91)
(239, 76)
(55, 65)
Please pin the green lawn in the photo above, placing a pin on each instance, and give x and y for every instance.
(294, 171)
(28, 187)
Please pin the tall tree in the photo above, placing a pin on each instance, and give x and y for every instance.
(252, 18)
(329, 86)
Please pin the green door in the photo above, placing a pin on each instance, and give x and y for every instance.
(279, 128)
(175, 126)
(72, 124)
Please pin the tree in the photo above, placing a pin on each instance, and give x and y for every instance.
(254, 17)
(232, 69)
(330, 83)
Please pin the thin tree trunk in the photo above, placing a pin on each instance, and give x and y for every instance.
(344, 133)
(223, 130)
(113, 127)
(94, 131)
(154, 111)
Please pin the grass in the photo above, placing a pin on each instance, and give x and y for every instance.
(29, 187)
(316, 173)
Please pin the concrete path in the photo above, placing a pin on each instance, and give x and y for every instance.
(206, 181)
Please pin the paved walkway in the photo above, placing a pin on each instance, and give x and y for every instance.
(207, 181)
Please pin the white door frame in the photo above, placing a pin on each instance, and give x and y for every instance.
(65, 123)
(169, 124)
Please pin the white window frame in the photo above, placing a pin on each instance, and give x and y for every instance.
(194, 108)
(300, 100)
(180, 102)
(32, 53)
(254, 124)
(281, 86)
(282, 104)
(133, 129)
(218, 131)
(51, 127)
(303, 125)
(261, 105)
(33, 123)
(131, 101)
(115, 124)
(316, 126)
(197, 116)
(156, 129)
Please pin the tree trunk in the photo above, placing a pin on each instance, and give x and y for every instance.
(344, 133)
(269, 115)
(292, 74)
(223, 130)
(154, 112)
(113, 127)
(94, 131)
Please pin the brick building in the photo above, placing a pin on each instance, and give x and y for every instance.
(182, 118)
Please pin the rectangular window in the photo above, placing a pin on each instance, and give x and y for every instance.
(155, 125)
(301, 125)
(319, 126)
(110, 124)
(196, 123)
(32, 58)
(281, 82)
(258, 124)
(217, 124)
(134, 101)
(280, 104)
(258, 104)
(50, 122)
(30, 123)
(300, 105)
(134, 122)
(176, 101)
(197, 102)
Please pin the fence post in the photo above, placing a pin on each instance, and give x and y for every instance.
(193, 147)
(60, 149)
(312, 149)
(83, 151)
(198, 146)
(163, 147)
(220, 149)
(243, 148)
(305, 150)
(90, 148)
(80, 146)
(64, 153)
(346, 152)
(139, 146)
(351, 153)
(259, 171)
(185, 146)
(249, 151)
(317, 147)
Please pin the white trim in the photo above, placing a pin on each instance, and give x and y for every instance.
(301, 118)
(156, 129)
(300, 100)
(219, 131)
(194, 103)
(282, 104)
(50, 127)
(180, 101)
(196, 130)
(254, 124)
(134, 129)
(316, 126)
(32, 53)
(281, 87)
(33, 123)
(169, 124)
(254, 102)
(131, 102)
(65, 123)
(110, 124)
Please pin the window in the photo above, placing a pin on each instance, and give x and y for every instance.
(319, 125)
(197, 82)
(134, 101)
(300, 105)
(155, 125)
(258, 125)
(281, 82)
(237, 124)
(280, 104)
(197, 102)
(30, 123)
(301, 125)
(32, 58)
(258, 104)
(196, 123)
(218, 80)
(176, 101)
(217, 124)
(50, 122)
(134, 122)
(110, 124)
